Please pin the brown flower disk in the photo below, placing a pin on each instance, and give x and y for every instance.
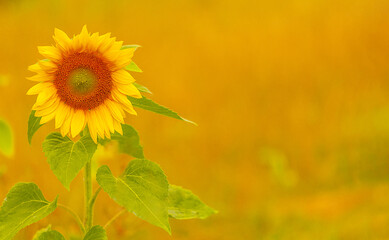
(90, 99)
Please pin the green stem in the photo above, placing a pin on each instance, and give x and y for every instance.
(88, 196)
(93, 200)
(114, 218)
(74, 215)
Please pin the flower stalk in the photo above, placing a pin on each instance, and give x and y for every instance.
(88, 196)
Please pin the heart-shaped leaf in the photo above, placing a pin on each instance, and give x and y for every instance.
(183, 204)
(23, 206)
(96, 233)
(142, 189)
(67, 158)
(128, 142)
(48, 234)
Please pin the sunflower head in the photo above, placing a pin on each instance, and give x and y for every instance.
(82, 82)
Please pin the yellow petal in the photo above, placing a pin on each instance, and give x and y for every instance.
(129, 108)
(94, 42)
(48, 110)
(106, 43)
(124, 58)
(122, 76)
(62, 39)
(107, 117)
(35, 68)
(62, 112)
(48, 117)
(97, 122)
(114, 51)
(78, 122)
(80, 41)
(45, 95)
(47, 104)
(107, 134)
(111, 55)
(119, 105)
(102, 38)
(50, 52)
(91, 126)
(48, 66)
(102, 122)
(118, 127)
(39, 87)
(84, 38)
(129, 89)
(65, 128)
(41, 77)
(115, 110)
(120, 97)
(124, 102)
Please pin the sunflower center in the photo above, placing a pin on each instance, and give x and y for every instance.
(82, 81)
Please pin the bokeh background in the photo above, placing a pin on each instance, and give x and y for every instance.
(291, 98)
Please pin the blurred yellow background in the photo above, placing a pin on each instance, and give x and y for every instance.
(291, 98)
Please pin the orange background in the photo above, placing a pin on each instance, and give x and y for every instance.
(291, 98)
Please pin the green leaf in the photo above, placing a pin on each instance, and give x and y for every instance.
(183, 204)
(6, 139)
(48, 234)
(150, 105)
(67, 158)
(129, 46)
(142, 88)
(96, 233)
(133, 67)
(33, 125)
(24, 205)
(39, 232)
(128, 142)
(142, 189)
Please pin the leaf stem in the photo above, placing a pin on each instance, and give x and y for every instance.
(115, 217)
(74, 215)
(88, 196)
(93, 200)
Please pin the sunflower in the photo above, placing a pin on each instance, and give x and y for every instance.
(82, 82)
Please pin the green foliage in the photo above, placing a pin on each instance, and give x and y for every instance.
(150, 105)
(128, 142)
(183, 204)
(67, 158)
(142, 189)
(33, 125)
(37, 234)
(133, 67)
(23, 206)
(48, 234)
(142, 88)
(96, 233)
(130, 46)
(6, 139)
